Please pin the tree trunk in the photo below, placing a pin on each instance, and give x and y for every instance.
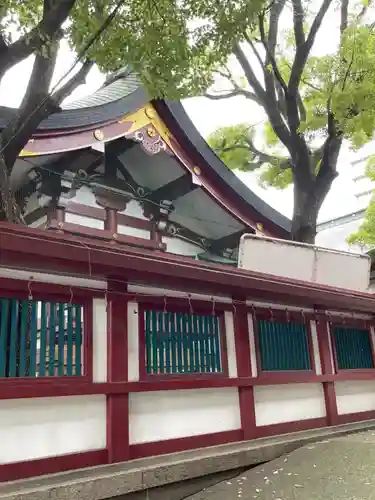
(305, 215)
(310, 191)
(9, 210)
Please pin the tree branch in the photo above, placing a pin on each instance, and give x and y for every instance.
(75, 81)
(249, 73)
(3, 45)
(17, 133)
(259, 157)
(298, 18)
(364, 10)
(330, 150)
(269, 104)
(303, 51)
(301, 108)
(49, 26)
(270, 52)
(234, 93)
(275, 13)
(344, 15)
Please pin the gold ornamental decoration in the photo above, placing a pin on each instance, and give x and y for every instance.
(98, 134)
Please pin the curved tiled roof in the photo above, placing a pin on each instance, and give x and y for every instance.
(122, 94)
(116, 98)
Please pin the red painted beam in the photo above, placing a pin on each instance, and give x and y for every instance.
(55, 252)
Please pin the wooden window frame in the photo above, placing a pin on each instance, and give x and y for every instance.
(361, 324)
(40, 291)
(198, 308)
(283, 376)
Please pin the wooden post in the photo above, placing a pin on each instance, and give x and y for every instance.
(246, 394)
(110, 223)
(326, 363)
(117, 404)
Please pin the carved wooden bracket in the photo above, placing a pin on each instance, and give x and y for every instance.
(149, 138)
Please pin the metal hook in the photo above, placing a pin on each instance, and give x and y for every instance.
(165, 304)
(30, 297)
(213, 306)
(329, 318)
(303, 316)
(253, 310)
(71, 296)
(287, 316)
(190, 304)
(106, 299)
(234, 309)
(271, 313)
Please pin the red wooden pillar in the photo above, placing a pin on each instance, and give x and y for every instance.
(326, 362)
(117, 404)
(110, 223)
(246, 393)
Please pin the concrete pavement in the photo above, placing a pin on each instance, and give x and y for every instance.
(336, 469)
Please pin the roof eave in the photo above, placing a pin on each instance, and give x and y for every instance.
(178, 121)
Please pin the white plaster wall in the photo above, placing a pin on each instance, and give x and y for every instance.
(39, 222)
(156, 416)
(84, 196)
(84, 221)
(315, 346)
(275, 404)
(355, 396)
(133, 231)
(304, 262)
(180, 247)
(99, 341)
(134, 209)
(46, 427)
(330, 349)
(253, 356)
(133, 342)
(231, 346)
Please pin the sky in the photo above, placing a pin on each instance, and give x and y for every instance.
(208, 115)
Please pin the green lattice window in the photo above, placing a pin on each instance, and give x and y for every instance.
(283, 346)
(40, 339)
(180, 343)
(353, 348)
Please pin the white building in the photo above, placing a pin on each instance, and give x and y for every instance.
(333, 233)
